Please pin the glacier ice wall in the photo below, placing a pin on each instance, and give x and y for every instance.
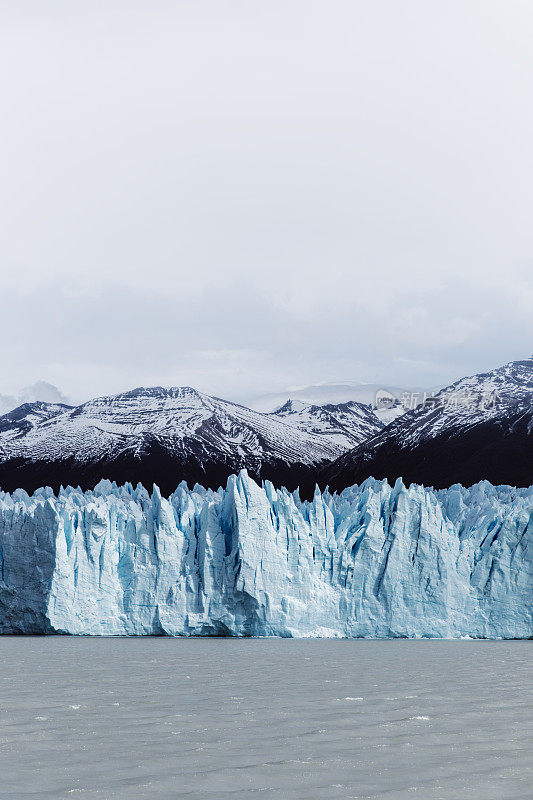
(374, 561)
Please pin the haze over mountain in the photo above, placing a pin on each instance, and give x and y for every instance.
(324, 393)
(41, 391)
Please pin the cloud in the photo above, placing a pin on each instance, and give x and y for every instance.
(236, 342)
(41, 390)
(250, 196)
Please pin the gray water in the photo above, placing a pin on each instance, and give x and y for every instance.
(229, 718)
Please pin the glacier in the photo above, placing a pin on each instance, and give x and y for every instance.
(373, 561)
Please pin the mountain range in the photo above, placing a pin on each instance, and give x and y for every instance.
(479, 427)
(165, 435)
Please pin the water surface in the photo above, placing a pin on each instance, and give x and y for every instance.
(128, 719)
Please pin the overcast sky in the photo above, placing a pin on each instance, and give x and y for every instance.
(245, 196)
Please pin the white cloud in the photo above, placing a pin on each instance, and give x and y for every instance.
(41, 390)
(237, 343)
(245, 196)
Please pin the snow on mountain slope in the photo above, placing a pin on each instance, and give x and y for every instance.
(27, 416)
(376, 561)
(160, 435)
(479, 427)
(471, 400)
(387, 414)
(347, 424)
(120, 422)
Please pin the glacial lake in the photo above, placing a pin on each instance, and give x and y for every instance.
(128, 719)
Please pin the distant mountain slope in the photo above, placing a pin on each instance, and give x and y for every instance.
(478, 428)
(158, 435)
(321, 394)
(347, 424)
(27, 416)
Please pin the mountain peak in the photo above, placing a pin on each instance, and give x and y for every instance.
(28, 415)
(161, 435)
(291, 406)
(478, 427)
(347, 423)
(160, 392)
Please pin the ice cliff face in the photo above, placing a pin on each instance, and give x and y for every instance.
(249, 560)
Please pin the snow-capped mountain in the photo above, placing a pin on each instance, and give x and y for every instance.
(347, 424)
(480, 427)
(27, 416)
(157, 435)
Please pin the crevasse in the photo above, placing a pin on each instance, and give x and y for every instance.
(374, 561)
